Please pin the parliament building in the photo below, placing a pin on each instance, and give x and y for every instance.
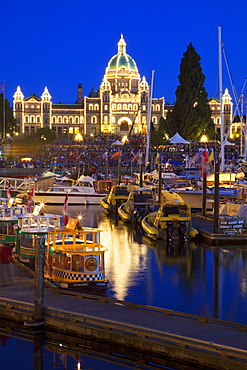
(120, 102)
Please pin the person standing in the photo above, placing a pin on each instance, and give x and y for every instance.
(6, 259)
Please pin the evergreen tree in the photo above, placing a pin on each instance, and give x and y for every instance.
(191, 115)
(10, 123)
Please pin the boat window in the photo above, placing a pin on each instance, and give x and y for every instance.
(27, 241)
(85, 184)
(77, 263)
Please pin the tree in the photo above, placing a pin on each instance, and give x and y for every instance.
(6, 114)
(158, 137)
(191, 115)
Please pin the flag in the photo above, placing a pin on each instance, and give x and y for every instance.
(66, 210)
(136, 156)
(30, 201)
(157, 158)
(116, 154)
(9, 190)
(211, 157)
(204, 161)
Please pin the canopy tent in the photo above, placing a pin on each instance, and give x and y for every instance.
(226, 142)
(177, 139)
(117, 143)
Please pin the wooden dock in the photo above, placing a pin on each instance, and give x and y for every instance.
(191, 339)
(205, 226)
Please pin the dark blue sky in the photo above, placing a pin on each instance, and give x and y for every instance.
(59, 44)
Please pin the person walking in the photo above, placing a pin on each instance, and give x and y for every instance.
(6, 275)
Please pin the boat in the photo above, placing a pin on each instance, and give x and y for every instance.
(139, 203)
(84, 191)
(117, 195)
(75, 258)
(31, 226)
(9, 215)
(172, 221)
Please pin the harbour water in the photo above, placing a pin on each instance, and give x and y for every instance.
(193, 279)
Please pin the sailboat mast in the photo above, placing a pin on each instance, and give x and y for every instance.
(150, 97)
(222, 138)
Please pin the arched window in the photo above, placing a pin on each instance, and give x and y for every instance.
(76, 120)
(26, 119)
(90, 106)
(119, 107)
(218, 120)
(38, 119)
(96, 106)
(124, 106)
(106, 107)
(144, 107)
(93, 119)
(59, 119)
(154, 120)
(70, 119)
(32, 120)
(135, 106)
(53, 119)
(113, 106)
(130, 106)
(157, 107)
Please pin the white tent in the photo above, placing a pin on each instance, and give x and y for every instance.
(177, 139)
(117, 143)
(226, 142)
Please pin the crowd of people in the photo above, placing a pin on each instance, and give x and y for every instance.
(93, 152)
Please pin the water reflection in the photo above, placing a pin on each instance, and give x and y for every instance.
(190, 278)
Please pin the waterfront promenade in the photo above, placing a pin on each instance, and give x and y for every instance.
(188, 337)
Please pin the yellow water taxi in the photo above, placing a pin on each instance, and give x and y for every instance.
(75, 258)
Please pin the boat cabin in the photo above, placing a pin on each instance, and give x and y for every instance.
(75, 257)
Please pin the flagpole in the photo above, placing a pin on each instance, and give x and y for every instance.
(221, 102)
(3, 91)
(149, 121)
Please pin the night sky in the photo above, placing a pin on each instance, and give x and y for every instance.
(59, 44)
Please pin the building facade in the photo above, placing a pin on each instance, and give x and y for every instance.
(119, 106)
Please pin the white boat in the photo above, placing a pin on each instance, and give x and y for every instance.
(194, 197)
(85, 191)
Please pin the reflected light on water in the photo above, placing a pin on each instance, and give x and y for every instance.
(127, 262)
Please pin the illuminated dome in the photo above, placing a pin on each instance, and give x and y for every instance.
(122, 61)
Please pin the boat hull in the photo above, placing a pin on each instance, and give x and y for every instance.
(73, 199)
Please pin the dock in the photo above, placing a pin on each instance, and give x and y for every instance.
(150, 331)
(205, 227)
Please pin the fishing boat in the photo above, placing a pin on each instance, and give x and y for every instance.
(31, 226)
(75, 258)
(140, 202)
(85, 190)
(117, 195)
(171, 222)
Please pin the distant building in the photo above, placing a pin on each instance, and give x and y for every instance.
(120, 102)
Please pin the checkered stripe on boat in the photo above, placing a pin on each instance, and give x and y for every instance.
(77, 277)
